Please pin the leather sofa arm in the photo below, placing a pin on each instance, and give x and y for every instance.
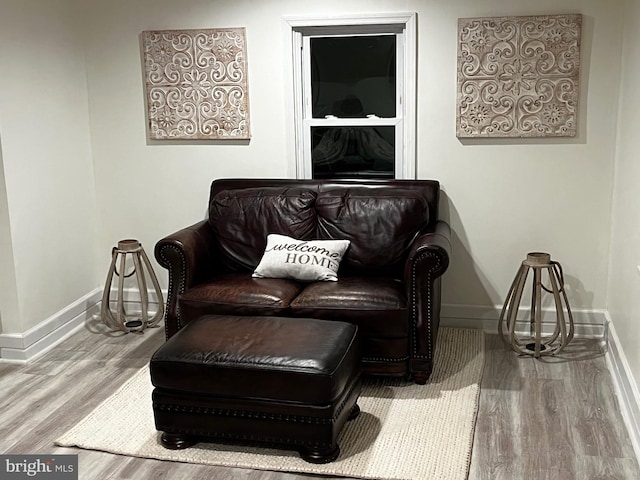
(427, 261)
(189, 256)
(430, 252)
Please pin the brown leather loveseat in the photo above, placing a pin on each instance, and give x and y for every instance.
(389, 279)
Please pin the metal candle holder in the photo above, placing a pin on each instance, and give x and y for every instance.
(536, 344)
(120, 319)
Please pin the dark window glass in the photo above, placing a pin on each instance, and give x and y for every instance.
(352, 77)
(353, 152)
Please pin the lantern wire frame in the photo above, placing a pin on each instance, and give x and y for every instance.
(120, 319)
(536, 344)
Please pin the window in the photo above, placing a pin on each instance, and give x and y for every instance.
(351, 77)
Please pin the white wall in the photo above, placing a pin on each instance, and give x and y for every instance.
(48, 198)
(624, 279)
(509, 197)
(503, 197)
(9, 311)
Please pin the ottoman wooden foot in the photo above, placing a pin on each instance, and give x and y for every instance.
(421, 378)
(176, 441)
(355, 411)
(320, 454)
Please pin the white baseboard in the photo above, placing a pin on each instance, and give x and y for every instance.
(23, 347)
(625, 385)
(27, 346)
(587, 323)
(132, 295)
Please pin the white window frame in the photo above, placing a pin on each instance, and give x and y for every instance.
(295, 30)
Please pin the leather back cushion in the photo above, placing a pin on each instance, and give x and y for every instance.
(381, 223)
(243, 218)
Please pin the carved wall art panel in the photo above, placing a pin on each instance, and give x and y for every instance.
(518, 76)
(196, 84)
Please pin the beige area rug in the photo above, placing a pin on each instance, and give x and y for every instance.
(405, 431)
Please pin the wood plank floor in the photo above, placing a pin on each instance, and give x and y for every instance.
(552, 419)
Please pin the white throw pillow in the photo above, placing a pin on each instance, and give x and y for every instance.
(305, 260)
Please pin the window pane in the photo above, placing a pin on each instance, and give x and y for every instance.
(353, 152)
(353, 76)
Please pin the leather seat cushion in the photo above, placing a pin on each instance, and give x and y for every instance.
(262, 358)
(239, 294)
(377, 305)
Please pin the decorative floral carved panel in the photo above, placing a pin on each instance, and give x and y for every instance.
(518, 76)
(196, 84)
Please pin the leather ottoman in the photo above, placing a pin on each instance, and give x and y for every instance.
(288, 382)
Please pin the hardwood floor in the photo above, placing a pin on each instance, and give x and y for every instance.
(538, 419)
(555, 418)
